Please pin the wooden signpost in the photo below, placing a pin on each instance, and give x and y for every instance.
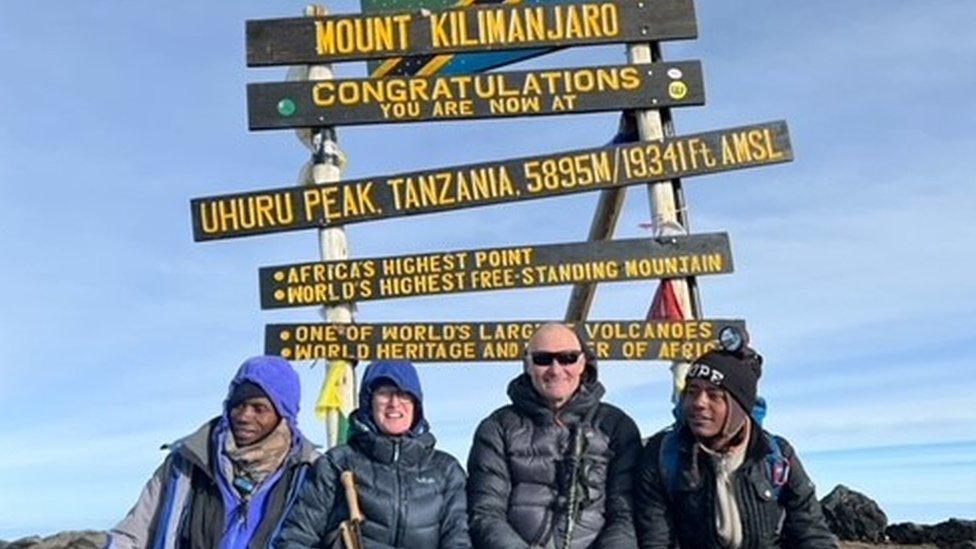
(422, 54)
(410, 48)
(491, 27)
(466, 186)
(468, 97)
(488, 341)
(487, 269)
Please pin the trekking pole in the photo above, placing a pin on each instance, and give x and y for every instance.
(574, 486)
(352, 536)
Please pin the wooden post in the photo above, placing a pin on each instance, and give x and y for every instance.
(666, 202)
(667, 211)
(326, 167)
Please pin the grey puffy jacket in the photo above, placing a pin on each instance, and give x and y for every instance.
(520, 472)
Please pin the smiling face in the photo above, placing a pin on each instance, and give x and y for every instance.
(393, 409)
(555, 381)
(705, 407)
(252, 420)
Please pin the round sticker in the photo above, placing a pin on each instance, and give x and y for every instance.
(675, 73)
(677, 90)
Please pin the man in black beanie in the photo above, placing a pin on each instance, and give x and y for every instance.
(716, 478)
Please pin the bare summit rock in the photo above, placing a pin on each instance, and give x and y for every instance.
(88, 539)
(853, 516)
(949, 534)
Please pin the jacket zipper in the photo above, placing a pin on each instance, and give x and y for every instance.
(397, 494)
(244, 513)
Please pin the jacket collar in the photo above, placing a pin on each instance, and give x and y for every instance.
(691, 477)
(196, 447)
(529, 402)
(410, 449)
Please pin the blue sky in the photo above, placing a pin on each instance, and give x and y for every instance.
(852, 263)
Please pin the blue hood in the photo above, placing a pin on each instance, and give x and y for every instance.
(401, 373)
(278, 379)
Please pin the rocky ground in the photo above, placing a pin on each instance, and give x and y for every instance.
(853, 517)
(88, 539)
(863, 545)
(860, 522)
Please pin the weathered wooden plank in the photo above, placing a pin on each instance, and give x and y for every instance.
(472, 185)
(496, 27)
(488, 269)
(488, 341)
(356, 101)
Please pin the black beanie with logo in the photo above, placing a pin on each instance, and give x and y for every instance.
(737, 372)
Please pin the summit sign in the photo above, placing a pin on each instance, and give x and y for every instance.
(277, 105)
(486, 269)
(466, 186)
(482, 28)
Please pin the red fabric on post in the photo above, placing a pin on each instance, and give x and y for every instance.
(665, 305)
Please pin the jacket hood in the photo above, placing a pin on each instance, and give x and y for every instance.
(278, 379)
(403, 375)
(411, 449)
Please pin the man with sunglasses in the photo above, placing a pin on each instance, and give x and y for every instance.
(553, 468)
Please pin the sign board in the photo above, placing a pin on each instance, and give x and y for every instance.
(492, 341)
(308, 103)
(488, 27)
(467, 186)
(451, 63)
(444, 63)
(369, 279)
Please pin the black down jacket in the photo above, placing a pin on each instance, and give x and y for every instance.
(411, 494)
(520, 472)
(682, 509)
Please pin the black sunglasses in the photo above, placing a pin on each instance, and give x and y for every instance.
(564, 358)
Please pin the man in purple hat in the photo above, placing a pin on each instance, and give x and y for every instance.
(227, 484)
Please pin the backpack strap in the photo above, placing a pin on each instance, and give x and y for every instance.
(294, 486)
(668, 461)
(776, 465)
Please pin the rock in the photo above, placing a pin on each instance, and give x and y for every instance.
(23, 543)
(865, 545)
(950, 534)
(88, 539)
(853, 516)
(906, 532)
(954, 533)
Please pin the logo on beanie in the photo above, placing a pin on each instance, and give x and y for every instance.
(706, 372)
